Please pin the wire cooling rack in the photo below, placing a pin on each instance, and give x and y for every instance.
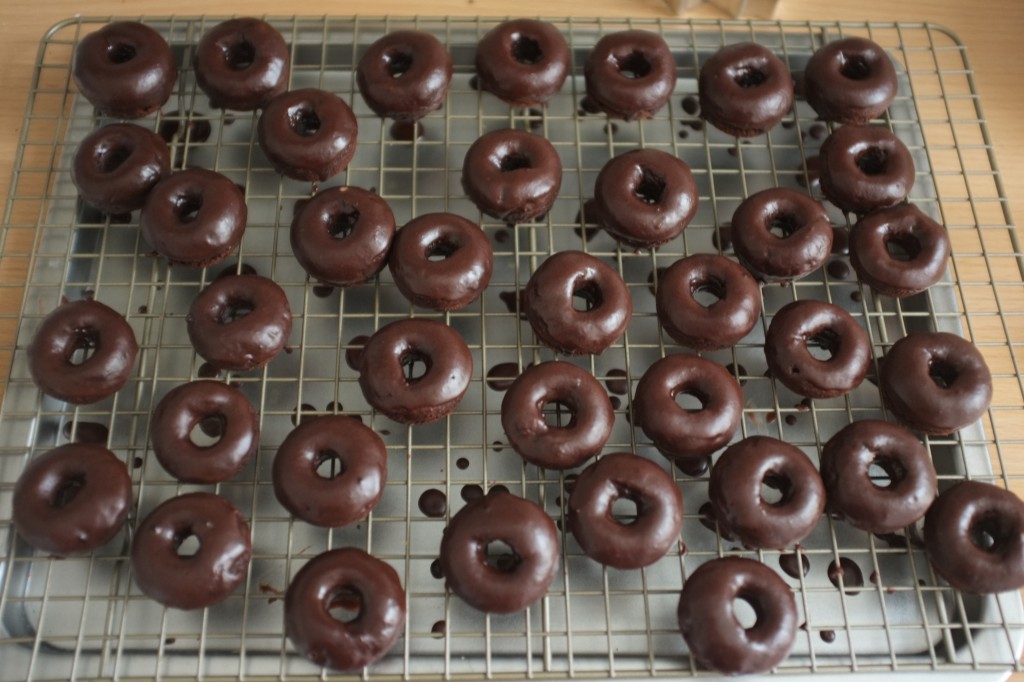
(885, 611)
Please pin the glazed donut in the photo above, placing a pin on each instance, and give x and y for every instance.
(527, 530)
(512, 175)
(242, 64)
(186, 406)
(441, 261)
(923, 242)
(204, 578)
(405, 75)
(625, 544)
(82, 325)
(125, 69)
(589, 413)
(329, 578)
(721, 324)
(117, 165)
(308, 134)
(395, 350)
(846, 461)
(645, 197)
(547, 303)
(240, 322)
(744, 89)
(524, 62)
(630, 74)
(935, 382)
(850, 81)
(864, 168)
(325, 500)
(739, 506)
(72, 499)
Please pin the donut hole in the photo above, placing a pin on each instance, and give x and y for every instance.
(397, 63)
(513, 161)
(651, 187)
(691, 401)
(526, 50)
(854, 66)
(187, 543)
(345, 605)
(110, 158)
(67, 490)
(240, 55)
(783, 225)
(625, 510)
(992, 532)
(744, 611)
(586, 297)
(500, 556)
(749, 76)
(776, 489)
(822, 345)
(903, 247)
(633, 65)
(187, 206)
(415, 365)
(558, 414)
(328, 464)
(304, 121)
(708, 292)
(942, 372)
(441, 249)
(119, 53)
(234, 310)
(82, 346)
(872, 161)
(886, 472)
(342, 222)
(208, 430)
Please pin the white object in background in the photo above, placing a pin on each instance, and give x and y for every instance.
(753, 9)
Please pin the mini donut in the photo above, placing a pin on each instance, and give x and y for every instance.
(629, 544)
(801, 324)
(630, 74)
(645, 197)
(974, 536)
(197, 402)
(850, 81)
(405, 75)
(204, 578)
(341, 499)
(523, 62)
(846, 461)
(507, 587)
(547, 303)
(583, 431)
(441, 261)
(72, 499)
(308, 134)
(923, 242)
(803, 245)
(125, 69)
(721, 324)
(512, 175)
(82, 325)
(679, 433)
(744, 89)
(116, 166)
(326, 580)
(242, 64)
(864, 168)
(740, 507)
(342, 235)
(195, 218)
(708, 622)
(935, 382)
(395, 350)
(240, 322)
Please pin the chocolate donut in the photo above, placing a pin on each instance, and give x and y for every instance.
(524, 62)
(496, 586)
(512, 175)
(240, 322)
(581, 433)
(125, 69)
(974, 536)
(846, 462)
(850, 81)
(780, 234)
(390, 378)
(802, 324)
(744, 89)
(205, 577)
(194, 218)
(739, 505)
(117, 165)
(72, 499)
(342, 235)
(330, 500)
(308, 134)
(864, 168)
(548, 303)
(899, 251)
(720, 324)
(645, 197)
(233, 417)
(628, 544)
(935, 382)
(630, 74)
(88, 326)
(242, 64)
(405, 75)
(708, 622)
(441, 261)
(331, 578)
(680, 433)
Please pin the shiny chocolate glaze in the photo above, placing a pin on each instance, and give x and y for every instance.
(630, 74)
(850, 81)
(308, 134)
(512, 175)
(805, 241)
(923, 241)
(242, 64)
(116, 166)
(864, 168)
(524, 62)
(405, 75)
(744, 89)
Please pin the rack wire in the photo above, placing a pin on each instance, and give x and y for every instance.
(83, 617)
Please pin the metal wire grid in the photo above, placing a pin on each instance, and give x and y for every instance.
(82, 617)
